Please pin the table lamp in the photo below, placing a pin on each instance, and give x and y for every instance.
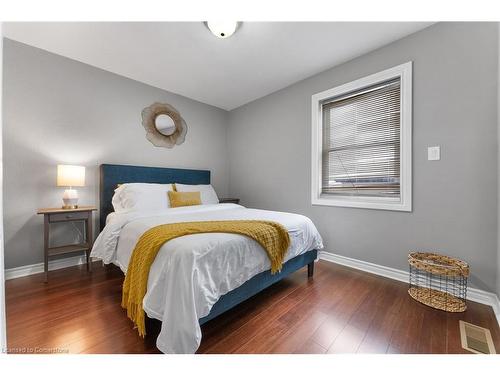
(70, 176)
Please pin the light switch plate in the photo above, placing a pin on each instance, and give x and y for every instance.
(433, 153)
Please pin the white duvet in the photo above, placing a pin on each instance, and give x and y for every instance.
(190, 273)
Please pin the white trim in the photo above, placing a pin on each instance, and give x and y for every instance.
(473, 294)
(404, 72)
(498, 170)
(391, 273)
(3, 326)
(56, 264)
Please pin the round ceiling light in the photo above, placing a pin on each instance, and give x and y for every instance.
(222, 29)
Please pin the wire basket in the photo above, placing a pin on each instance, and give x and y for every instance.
(438, 281)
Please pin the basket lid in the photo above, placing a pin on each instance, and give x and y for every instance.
(438, 263)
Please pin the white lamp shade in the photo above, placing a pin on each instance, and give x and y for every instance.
(70, 175)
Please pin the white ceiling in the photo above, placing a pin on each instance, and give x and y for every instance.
(185, 58)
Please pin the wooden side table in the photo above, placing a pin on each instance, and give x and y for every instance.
(59, 215)
(229, 200)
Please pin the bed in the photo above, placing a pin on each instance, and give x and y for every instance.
(195, 278)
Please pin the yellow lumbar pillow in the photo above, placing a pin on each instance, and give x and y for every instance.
(179, 199)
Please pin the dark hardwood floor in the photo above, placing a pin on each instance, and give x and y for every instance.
(340, 310)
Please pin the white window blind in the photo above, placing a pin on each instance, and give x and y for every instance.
(361, 142)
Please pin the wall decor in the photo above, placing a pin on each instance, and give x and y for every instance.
(164, 125)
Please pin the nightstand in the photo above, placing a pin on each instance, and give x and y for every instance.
(59, 215)
(229, 200)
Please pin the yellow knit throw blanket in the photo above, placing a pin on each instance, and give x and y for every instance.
(273, 237)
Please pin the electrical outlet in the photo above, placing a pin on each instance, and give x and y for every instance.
(434, 153)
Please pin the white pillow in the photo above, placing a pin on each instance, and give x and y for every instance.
(141, 197)
(207, 192)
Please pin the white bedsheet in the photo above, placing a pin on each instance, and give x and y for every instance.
(190, 273)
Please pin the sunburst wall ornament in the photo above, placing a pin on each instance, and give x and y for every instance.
(164, 125)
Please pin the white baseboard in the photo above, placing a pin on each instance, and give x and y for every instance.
(32, 269)
(473, 294)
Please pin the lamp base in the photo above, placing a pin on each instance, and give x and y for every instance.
(70, 207)
(70, 199)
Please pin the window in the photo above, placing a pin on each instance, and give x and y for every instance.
(361, 142)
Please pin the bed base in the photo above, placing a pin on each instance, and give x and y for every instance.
(260, 282)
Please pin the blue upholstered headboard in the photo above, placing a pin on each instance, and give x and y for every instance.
(111, 175)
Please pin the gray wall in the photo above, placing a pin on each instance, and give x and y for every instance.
(57, 110)
(454, 106)
(498, 170)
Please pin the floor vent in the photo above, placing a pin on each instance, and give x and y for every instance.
(476, 339)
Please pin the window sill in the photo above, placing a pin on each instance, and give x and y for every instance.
(368, 203)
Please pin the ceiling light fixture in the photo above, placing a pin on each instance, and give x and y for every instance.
(222, 29)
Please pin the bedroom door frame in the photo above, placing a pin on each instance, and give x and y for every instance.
(3, 326)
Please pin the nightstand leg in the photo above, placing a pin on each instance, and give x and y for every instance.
(46, 269)
(46, 247)
(89, 241)
(89, 263)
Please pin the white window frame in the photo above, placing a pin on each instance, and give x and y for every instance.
(404, 202)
